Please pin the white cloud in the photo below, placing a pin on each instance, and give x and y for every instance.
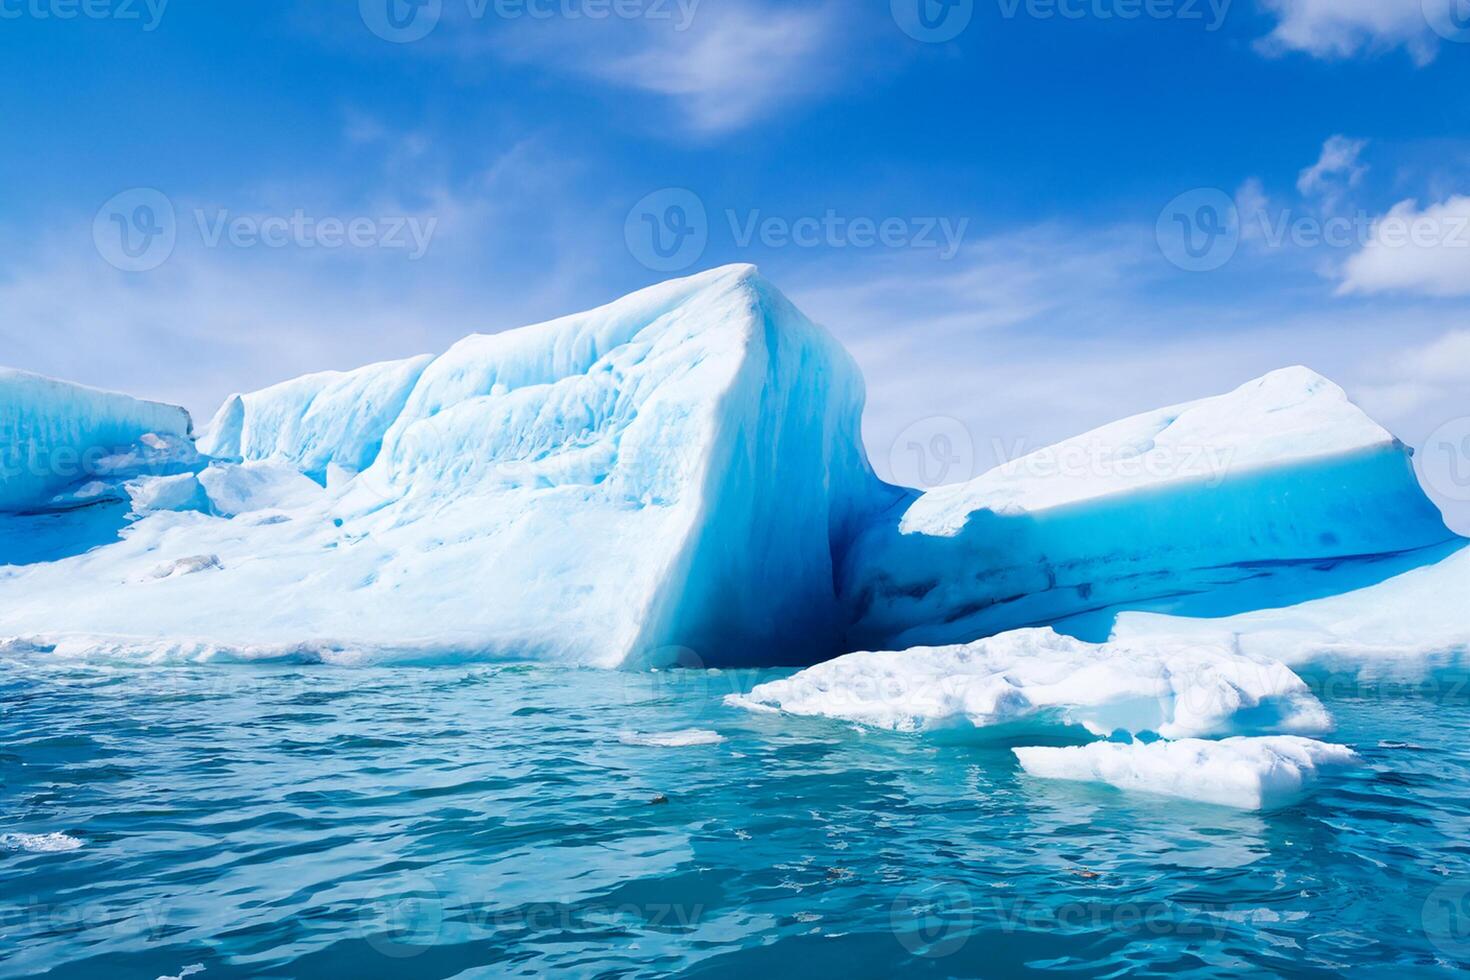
(1425, 252)
(719, 67)
(1336, 170)
(732, 72)
(1344, 28)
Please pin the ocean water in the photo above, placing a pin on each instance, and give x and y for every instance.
(485, 821)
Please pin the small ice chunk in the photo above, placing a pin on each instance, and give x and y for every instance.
(672, 740)
(1246, 773)
(248, 487)
(186, 566)
(166, 493)
(1038, 678)
(39, 843)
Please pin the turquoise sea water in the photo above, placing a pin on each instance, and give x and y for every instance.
(487, 821)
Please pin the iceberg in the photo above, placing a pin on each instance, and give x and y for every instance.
(677, 478)
(1209, 508)
(1038, 681)
(1413, 622)
(1245, 773)
(54, 435)
(667, 479)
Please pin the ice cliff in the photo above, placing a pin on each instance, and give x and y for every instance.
(54, 435)
(676, 477)
(670, 478)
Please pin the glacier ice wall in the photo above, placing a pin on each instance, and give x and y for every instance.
(315, 421)
(669, 478)
(1230, 503)
(54, 434)
(676, 477)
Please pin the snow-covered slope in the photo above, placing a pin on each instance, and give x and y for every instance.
(1217, 505)
(54, 434)
(1415, 620)
(1039, 682)
(667, 478)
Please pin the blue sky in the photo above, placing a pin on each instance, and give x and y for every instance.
(1036, 164)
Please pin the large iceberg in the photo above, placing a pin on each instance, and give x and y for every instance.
(670, 478)
(1209, 508)
(674, 478)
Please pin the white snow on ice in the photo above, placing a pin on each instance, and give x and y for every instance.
(1246, 773)
(1036, 679)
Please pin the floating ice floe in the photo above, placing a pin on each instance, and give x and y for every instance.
(1037, 679)
(672, 740)
(52, 843)
(1246, 773)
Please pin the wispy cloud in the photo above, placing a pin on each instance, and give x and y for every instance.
(1332, 29)
(1336, 171)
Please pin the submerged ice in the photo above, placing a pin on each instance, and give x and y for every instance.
(677, 478)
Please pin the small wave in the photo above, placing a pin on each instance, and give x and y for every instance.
(672, 740)
(39, 843)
